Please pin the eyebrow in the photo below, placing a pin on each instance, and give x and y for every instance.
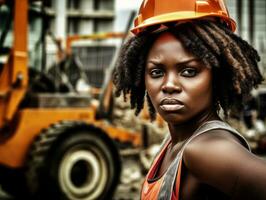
(181, 63)
(189, 61)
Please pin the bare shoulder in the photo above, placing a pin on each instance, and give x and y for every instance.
(215, 143)
(218, 158)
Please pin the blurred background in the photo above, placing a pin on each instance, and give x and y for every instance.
(62, 132)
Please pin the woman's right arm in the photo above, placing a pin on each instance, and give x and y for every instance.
(219, 160)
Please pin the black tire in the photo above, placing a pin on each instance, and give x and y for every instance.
(73, 161)
(13, 182)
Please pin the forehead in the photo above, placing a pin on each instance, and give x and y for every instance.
(167, 43)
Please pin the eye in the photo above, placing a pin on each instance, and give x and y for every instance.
(156, 73)
(189, 72)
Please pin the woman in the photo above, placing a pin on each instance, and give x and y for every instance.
(189, 64)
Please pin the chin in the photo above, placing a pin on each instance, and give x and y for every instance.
(174, 118)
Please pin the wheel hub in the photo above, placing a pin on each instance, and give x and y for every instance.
(82, 174)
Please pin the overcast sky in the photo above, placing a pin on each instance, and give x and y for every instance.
(123, 9)
(127, 4)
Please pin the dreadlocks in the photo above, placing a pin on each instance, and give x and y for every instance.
(233, 62)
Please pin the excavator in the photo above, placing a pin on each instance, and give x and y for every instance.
(53, 145)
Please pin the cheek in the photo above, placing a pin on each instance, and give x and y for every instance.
(199, 90)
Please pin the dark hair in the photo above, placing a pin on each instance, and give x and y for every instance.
(233, 62)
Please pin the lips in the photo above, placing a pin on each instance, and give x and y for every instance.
(171, 104)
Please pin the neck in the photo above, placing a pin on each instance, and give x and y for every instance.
(181, 132)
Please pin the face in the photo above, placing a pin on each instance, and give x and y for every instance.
(177, 82)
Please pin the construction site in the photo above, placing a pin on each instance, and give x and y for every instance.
(63, 133)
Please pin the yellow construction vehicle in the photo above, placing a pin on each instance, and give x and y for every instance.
(52, 145)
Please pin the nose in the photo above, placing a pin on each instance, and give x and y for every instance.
(171, 84)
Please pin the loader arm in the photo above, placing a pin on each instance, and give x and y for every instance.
(106, 95)
(14, 76)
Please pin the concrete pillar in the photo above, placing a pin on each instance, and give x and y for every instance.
(60, 19)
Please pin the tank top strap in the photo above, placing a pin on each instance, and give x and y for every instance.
(168, 183)
(213, 125)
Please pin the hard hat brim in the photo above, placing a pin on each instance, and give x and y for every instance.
(180, 16)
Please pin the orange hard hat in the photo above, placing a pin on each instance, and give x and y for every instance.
(154, 12)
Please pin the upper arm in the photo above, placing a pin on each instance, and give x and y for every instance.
(220, 161)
